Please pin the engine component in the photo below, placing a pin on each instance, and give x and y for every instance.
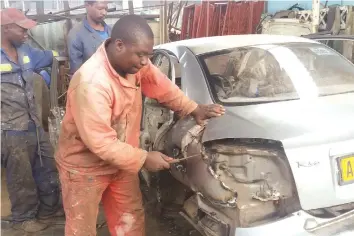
(246, 181)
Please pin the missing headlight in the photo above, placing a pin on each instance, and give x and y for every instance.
(258, 173)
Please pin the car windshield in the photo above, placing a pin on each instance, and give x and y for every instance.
(277, 72)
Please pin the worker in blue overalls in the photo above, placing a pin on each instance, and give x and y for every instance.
(84, 39)
(26, 153)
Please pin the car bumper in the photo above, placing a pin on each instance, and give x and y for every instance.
(304, 224)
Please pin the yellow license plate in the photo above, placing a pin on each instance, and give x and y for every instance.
(346, 165)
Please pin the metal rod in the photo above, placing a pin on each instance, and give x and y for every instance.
(183, 159)
(68, 10)
(80, 16)
(83, 6)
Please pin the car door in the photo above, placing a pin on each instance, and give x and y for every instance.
(157, 119)
(155, 116)
(344, 44)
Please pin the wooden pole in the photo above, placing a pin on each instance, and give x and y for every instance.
(68, 24)
(175, 22)
(265, 9)
(348, 45)
(40, 7)
(6, 4)
(169, 16)
(131, 7)
(163, 22)
(315, 15)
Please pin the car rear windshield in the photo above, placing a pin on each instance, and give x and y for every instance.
(277, 72)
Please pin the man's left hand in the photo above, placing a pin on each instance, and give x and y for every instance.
(204, 112)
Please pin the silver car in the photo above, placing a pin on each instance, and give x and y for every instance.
(280, 162)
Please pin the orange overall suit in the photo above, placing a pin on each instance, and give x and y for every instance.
(98, 156)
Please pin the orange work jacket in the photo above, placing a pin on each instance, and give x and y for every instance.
(100, 130)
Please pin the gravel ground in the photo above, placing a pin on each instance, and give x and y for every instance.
(156, 225)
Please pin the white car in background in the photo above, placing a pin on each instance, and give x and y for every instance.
(280, 162)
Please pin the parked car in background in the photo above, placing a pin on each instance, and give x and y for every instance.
(281, 160)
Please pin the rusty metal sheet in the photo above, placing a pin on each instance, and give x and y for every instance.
(229, 18)
(205, 20)
(258, 8)
(187, 22)
(223, 10)
(197, 11)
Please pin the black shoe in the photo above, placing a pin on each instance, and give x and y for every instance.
(58, 213)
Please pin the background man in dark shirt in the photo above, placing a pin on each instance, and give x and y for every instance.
(84, 39)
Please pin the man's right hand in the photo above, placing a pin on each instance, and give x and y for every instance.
(156, 161)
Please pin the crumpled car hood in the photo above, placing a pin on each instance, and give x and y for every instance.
(296, 123)
(314, 134)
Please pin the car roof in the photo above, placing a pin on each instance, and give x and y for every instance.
(216, 43)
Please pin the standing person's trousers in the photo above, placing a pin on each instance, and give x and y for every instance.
(32, 182)
(121, 198)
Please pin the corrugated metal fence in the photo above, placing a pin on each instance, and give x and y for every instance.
(220, 18)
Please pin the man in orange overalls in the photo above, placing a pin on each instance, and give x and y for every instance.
(98, 156)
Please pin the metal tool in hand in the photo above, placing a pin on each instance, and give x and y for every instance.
(182, 159)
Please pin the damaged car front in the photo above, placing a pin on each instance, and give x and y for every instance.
(281, 160)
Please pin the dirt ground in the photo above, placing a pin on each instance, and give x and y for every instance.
(155, 225)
